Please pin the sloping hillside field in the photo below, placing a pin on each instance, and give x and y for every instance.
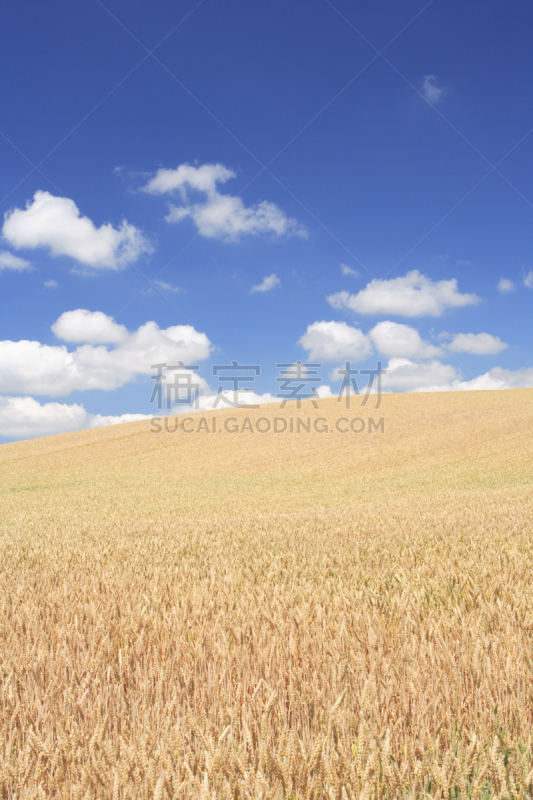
(228, 612)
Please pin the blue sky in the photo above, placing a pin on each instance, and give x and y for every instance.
(260, 182)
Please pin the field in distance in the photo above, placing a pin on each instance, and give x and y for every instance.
(332, 610)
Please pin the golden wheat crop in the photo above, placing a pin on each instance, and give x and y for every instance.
(248, 615)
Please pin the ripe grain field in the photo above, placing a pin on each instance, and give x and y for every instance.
(247, 615)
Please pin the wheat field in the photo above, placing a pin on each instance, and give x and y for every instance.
(272, 615)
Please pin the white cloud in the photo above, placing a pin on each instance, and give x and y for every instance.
(528, 280)
(9, 261)
(505, 286)
(51, 284)
(100, 421)
(29, 366)
(203, 179)
(244, 397)
(268, 283)
(55, 223)
(393, 339)
(217, 215)
(480, 344)
(335, 341)
(496, 379)
(407, 376)
(24, 417)
(346, 270)
(247, 397)
(87, 326)
(431, 90)
(167, 287)
(413, 295)
(404, 375)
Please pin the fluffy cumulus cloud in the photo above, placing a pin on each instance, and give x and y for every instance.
(496, 379)
(335, 341)
(24, 417)
(108, 357)
(269, 282)
(56, 223)
(395, 340)
(217, 215)
(413, 295)
(413, 363)
(338, 341)
(89, 326)
(528, 279)
(405, 375)
(480, 344)
(9, 261)
(505, 286)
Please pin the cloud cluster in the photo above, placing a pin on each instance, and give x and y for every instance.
(431, 90)
(480, 344)
(495, 379)
(335, 341)
(413, 362)
(404, 375)
(10, 261)
(505, 286)
(346, 270)
(89, 326)
(56, 223)
(109, 356)
(216, 215)
(24, 417)
(396, 340)
(269, 282)
(412, 295)
(338, 341)
(245, 397)
(167, 287)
